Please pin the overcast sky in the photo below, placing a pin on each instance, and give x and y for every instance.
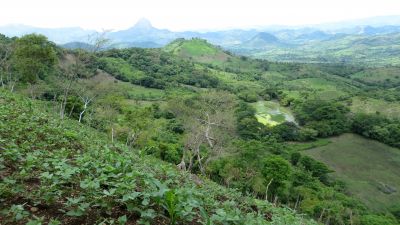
(188, 14)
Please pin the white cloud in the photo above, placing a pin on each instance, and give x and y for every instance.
(188, 14)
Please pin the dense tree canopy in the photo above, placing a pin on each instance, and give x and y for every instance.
(34, 57)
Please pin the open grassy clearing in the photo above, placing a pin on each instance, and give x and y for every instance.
(198, 50)
(273, 76)
(372, 106)
(271, 113)
(109, 84)
(371, 170)
(379, 76)
(321, 87)
(233, 80)
(122, 68)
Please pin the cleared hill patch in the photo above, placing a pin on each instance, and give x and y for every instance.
(372, 106)
(198, 50)
(371, 170)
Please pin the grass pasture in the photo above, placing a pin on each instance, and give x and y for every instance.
(110, 85)
(379, 76)
(198, 50)
(121, 68)
(321, 87)
(372, 106)
(235, 81)
(371, 170)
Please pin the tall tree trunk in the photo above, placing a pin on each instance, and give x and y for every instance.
(297, 202)
(266, 191)
(199, 160)
(351, 217)
(321, 215)
(112, 134)
(64, 99)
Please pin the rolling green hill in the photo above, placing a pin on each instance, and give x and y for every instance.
(375, 106)
(198, 50)
(383, 49)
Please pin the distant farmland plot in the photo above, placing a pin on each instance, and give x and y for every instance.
(369, 168)
(323, 88)
(372, 106)
(379, 76)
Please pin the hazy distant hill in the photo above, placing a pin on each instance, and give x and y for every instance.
(77, 44)
(58, 35)
(144, 32)
(371, 40)
(137, 44)
(315, 35)
(262, 40)
(382, 49)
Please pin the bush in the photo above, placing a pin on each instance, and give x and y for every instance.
(248, 96)
(307, 134)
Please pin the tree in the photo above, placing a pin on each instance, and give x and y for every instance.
(34, 57)
(327, 118)
(208, 122)
(6, 49)
(287, 131)
(276, 170)
(317, 169)
(98, 41)
(79, 64)
(87, 94)
(69, 74)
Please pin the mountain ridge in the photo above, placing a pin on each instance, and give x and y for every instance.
(143, 30)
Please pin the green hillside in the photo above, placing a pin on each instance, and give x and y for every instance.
(64, 172)
(375, 106)
(198, 50)
(353, 49)
(387, 77)
(121, 121)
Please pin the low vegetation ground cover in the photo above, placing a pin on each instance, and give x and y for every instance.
(370, 170)
(62, 172)
(373, 106)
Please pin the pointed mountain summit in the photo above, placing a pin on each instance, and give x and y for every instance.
(143, 24)
(267, 37)
(262, 39)
(143, 31)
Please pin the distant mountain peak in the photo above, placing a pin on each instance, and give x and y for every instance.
(143, 23)
(266, 37)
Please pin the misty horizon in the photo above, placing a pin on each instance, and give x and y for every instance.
(343, 23)
(191, 15)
